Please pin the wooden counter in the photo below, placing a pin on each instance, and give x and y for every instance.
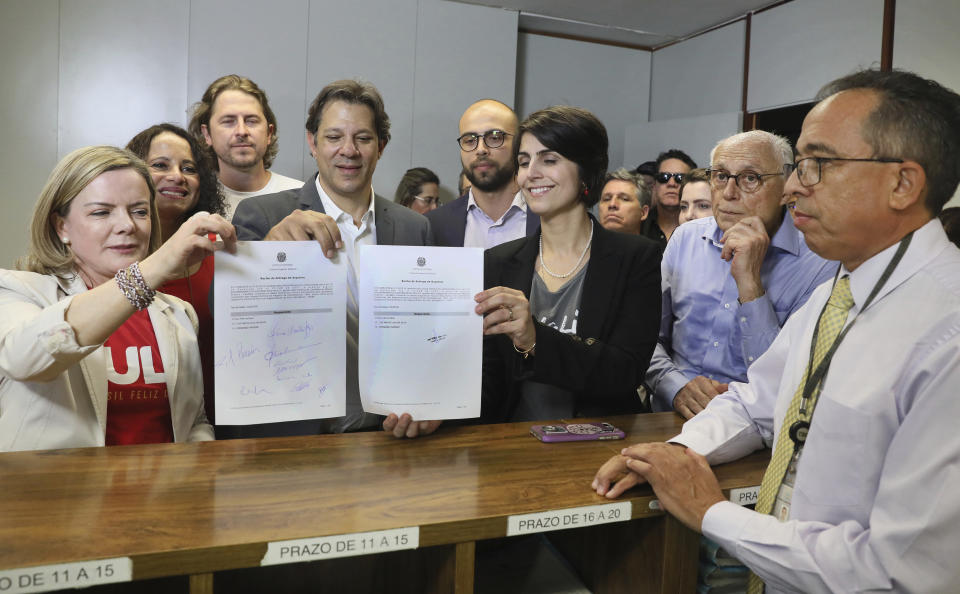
(194, 509)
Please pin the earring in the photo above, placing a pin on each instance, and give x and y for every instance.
(65, 240)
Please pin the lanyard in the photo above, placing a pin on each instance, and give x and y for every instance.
(815, 378)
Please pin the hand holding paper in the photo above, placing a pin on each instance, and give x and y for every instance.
(421, 345)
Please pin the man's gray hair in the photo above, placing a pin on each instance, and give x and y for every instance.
(643, 190)
(779, 145)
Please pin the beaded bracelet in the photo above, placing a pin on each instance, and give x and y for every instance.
(134, 288)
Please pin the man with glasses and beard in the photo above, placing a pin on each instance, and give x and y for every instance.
(492, 211)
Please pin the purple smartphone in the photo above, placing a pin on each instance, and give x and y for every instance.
(576, 432)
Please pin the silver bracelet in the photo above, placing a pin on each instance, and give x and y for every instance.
(134, 288)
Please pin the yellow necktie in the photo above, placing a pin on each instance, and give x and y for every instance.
(831, 322)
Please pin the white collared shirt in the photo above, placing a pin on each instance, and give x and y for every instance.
(875, 504)
(482, 231)
(352, 236)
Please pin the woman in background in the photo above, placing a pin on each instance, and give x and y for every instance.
(696, 198)
(186, 183)
(90, 353)
(419, 190)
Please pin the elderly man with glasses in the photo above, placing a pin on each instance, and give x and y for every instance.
(492, 210)
(730, 281)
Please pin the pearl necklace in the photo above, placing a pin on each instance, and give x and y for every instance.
(543, 264)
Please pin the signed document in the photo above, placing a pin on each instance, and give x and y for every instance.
(421, 343)
(279, 332)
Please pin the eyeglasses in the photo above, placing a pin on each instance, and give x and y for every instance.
(809, 168)
(663, 178)
(430, 201)
(748, 181)
(491, 139)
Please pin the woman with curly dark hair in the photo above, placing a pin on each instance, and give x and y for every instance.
(186, 183)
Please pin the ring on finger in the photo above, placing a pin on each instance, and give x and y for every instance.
(510, 310)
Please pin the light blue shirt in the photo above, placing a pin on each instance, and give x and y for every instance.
(483, 232)
(704, 330)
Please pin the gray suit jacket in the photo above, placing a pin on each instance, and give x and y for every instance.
(396, 225)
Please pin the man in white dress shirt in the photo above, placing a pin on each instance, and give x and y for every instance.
(347, 131)
(868, 501)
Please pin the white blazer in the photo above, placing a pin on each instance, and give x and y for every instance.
(53, 392)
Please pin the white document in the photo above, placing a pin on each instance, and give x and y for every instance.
(279, 333)
(421, 343)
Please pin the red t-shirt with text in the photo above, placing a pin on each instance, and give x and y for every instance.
(138, 408)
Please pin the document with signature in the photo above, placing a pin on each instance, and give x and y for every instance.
(421, 343)
(279, 333)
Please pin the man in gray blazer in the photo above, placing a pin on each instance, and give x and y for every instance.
(347, 130)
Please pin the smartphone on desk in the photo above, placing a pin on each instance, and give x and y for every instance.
(576, 432)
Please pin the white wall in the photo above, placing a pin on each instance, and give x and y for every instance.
(695, 97)
(451, 74)
(926, 42)
(29, 54)
(695, 136)
(114, 79)
(612, 82)
(99, 71)
(222, 42)
(700, 76)
(799, 46)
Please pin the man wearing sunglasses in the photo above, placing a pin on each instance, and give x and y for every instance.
(492, 211)
(858, 394)
(672, 166)
(730, 281)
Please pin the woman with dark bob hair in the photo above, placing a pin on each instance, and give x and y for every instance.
(186, 183)
(419, 190)
(571, 314)
(90, 353)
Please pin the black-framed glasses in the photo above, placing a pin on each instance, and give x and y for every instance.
(491, 139)
(748, 181)
(809, 168)
(664, 177)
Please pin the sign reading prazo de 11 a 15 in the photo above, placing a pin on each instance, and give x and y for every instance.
(45, 578)
(341, 545)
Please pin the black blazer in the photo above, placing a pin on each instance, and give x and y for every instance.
(449, 222)
(605, 361)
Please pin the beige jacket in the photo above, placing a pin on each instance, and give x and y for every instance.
(53, 392)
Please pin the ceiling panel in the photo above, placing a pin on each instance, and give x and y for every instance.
(649, 23)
